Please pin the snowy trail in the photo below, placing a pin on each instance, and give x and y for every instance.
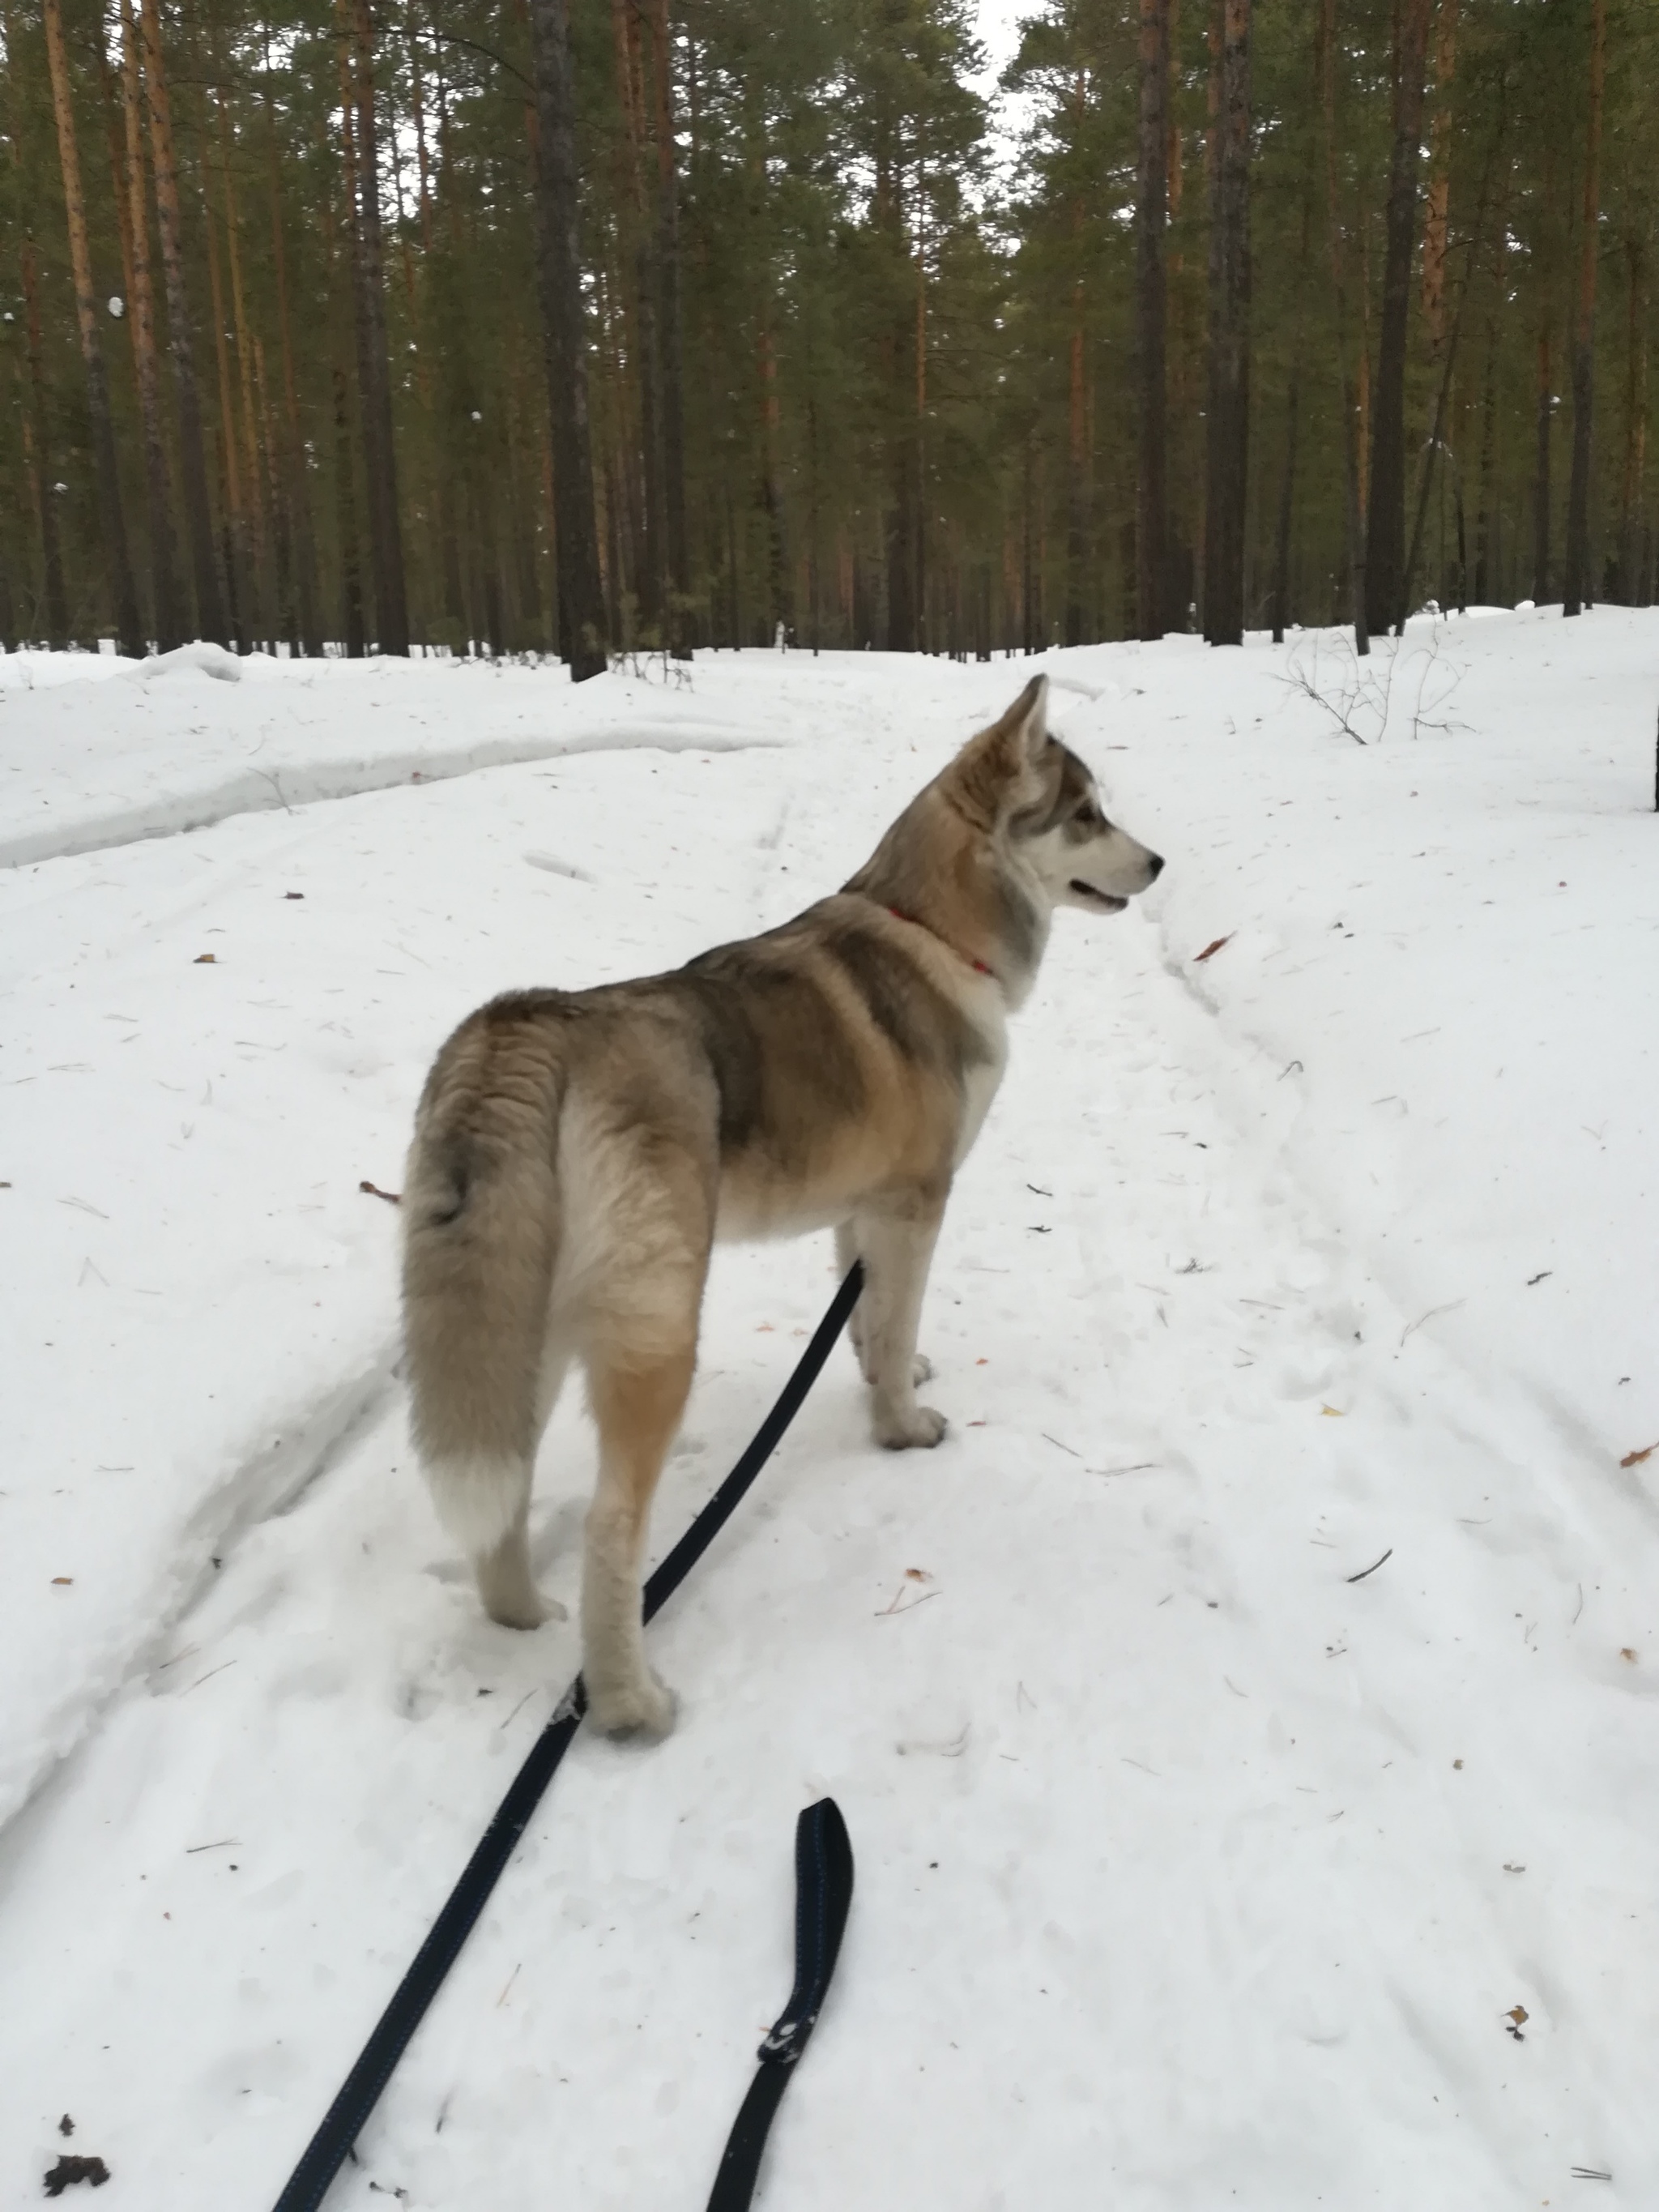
(1191, 1871)
(288, 745)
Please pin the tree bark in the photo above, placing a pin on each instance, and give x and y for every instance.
(1485, 581)
(1076, 486)
(296, 487)
(1352, 443)
(210, 621)
(1227, 427)
(581, 605)
(346, 495)
(1540, 492)
(670, 339)
(234, 527)
(1636, 415)
(163, 538)
(130, 629)
(386, 542)
(256, 552)
(37, 451)
(1386, 520)
(1152, 324)
(637, 300)
(1580, 586)
(1439, 192)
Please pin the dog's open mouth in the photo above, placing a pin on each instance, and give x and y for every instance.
(1105, 900)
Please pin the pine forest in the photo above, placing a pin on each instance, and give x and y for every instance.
(600, 326)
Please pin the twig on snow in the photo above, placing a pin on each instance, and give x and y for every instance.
(1373, 1567)
(1450, 1306)
(890, 1611)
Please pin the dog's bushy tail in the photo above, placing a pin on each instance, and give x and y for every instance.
(481, 1220)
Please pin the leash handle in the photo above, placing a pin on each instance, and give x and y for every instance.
(824, 1894)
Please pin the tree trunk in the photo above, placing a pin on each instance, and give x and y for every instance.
(1028, 617)
(295, 479)
(670, 339)
(638, 290)
(1352, 439)
(1635, 417)
(1152, 324)
(1287, 506)
(234, 526)
(124, 595)
(581, 605)
(1485, 579)
(256, 530)
(1076, 486)
(163, 540)
(1580, 584)
(919, 538)
(781, 612)
(386, 542)
(1227, 439)
(1439, 192)
(345, 495)
(1293, 419)
(1386, 520)
(210, 621)
(1541, 496)
(38, 452)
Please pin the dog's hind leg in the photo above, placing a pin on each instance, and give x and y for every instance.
(639, 1342)
(637, 1404)
(507, 1583)
(896, 1243)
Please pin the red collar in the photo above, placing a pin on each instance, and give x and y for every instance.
(979, 965)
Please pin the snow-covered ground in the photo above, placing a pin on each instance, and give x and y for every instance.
(1338, 1243)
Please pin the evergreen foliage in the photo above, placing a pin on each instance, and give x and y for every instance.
(322, 326)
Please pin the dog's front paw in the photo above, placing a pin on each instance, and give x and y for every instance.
(921, 1369)
(646, 1709)
(920, 1426)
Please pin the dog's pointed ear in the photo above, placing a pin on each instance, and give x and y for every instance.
(1001, 768)
(1024, 727)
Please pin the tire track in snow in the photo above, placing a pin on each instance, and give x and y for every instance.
(271, 1481)
(310, 783)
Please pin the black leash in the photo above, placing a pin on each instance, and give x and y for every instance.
(360, 2092)
(824, 1890)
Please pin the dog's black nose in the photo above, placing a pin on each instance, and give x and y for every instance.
(1156, 862)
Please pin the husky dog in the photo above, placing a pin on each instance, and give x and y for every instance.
(576, 1153)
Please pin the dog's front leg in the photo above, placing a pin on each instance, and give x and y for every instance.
(895, 1243)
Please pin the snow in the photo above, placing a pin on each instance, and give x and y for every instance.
(1191, 1870)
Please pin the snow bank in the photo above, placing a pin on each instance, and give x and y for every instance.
(177, 754)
